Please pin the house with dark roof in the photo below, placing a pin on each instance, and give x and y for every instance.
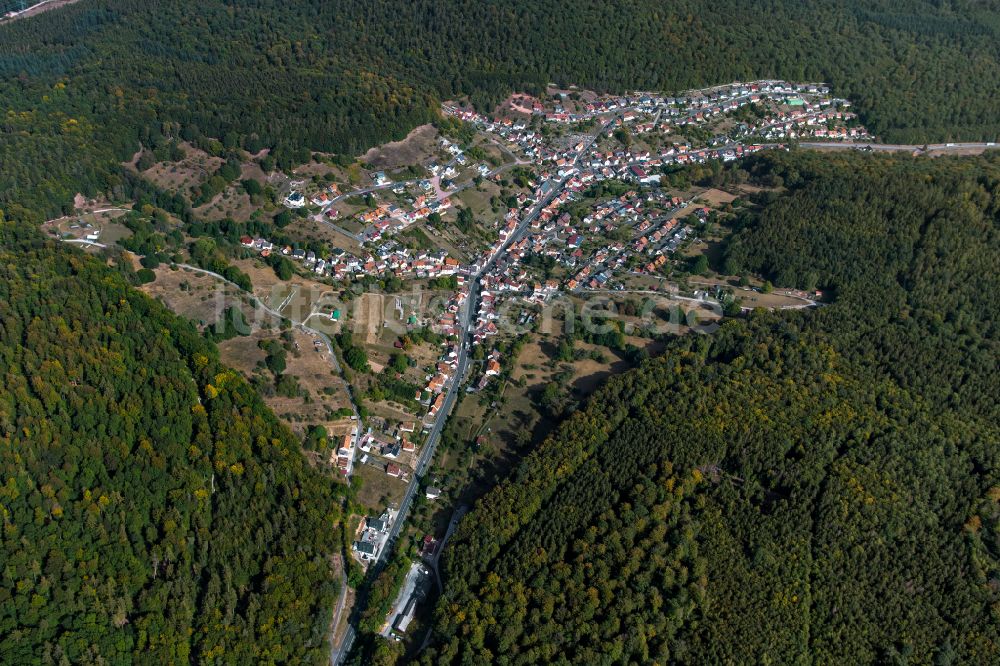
(378, 524)
(367, 550)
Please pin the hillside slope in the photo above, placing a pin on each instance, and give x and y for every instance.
(154, 510)
(86, 84)
(806, 487)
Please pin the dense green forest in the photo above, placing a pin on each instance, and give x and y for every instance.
(84, 86)
(154, 509)
(799, 487)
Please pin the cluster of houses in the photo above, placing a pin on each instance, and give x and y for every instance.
(389, 447)
(448, 172)
(387, 218)
(699, 105)
(799, 111)
(392, 257)
(657, 232)
(338, 263)
(508, 275)
(322, 198)
(807, 122)
(651, 215)
(638, 165)
(388, 257)
(805, 110)
(811, 112)
(564, 176)
(432, 395)
(516, 132)
(326, 197)
(447, 323)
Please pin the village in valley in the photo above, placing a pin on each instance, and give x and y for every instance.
(434, 293)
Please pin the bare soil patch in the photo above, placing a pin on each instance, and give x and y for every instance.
(196, 167)
(324, 392)
(252, 171)
(715, 197)
(195, 296)
(369, 317)
(297, 298)
(419, 145)
(232, 202)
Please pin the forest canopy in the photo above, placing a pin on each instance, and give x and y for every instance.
(154, 510)
(817, 486)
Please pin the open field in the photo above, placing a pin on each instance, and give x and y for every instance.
(252, 171)
(377, 488)
(296, 299)
(715, 197)
(478, 199)
(391, 411)
(495, 156)
(232, 202)
(517, 105)
(195, 296)
(588, 373)
(202, 299)
(351, 176)
(379, 319)
(369, 311)
(424, 355)
(419, 145)
(324, 392)
(457, 248)
(308, 228)
(243, 352)
(369, 316)
(572, 91)
(751, 296)
(196, 167)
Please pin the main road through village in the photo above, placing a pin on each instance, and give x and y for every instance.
(433, 437)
